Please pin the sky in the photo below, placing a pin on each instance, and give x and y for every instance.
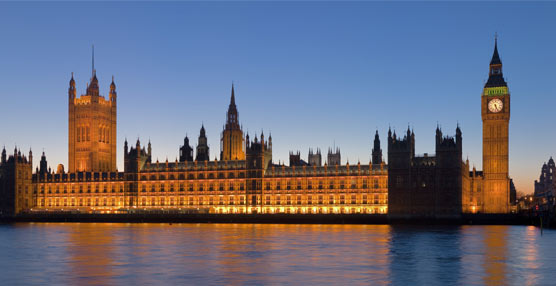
(315, 74)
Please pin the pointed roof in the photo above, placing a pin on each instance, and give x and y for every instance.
(495, 77)
(233, 98)
(495, 57)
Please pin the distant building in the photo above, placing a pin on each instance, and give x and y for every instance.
(545, 186)
(315, 158)
(334, 157)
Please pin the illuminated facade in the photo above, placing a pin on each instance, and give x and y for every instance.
(232, 141)
(490, 189)
(92, 129)
(246, 180)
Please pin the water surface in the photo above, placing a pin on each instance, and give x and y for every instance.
(239, 254)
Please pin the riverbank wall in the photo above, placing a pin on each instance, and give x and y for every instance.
(475, 219)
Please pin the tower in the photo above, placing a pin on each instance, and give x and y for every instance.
(232, 144)
(315, 159)
(92, 128)
(186, 152)
(334, 157)
(377, 152)
(495, 113)
(202, 146)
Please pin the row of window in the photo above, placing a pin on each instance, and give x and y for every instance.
(81, 189)
(211, 200)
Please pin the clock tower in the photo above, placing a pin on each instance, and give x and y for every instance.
(495, 112)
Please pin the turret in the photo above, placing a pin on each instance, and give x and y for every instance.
(438, 135)
(72, 93)
(149, 151)
(113, 94)
(125, 148)
(4, 156)
(458, 137)
(30, 157)
(376, 152)
(202, 146)
(43, 165)
(186, 152)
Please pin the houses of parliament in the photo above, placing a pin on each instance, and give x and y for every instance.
(246, 179)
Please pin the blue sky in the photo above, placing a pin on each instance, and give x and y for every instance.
(314, 73)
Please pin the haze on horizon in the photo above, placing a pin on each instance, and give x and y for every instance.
(315, 74)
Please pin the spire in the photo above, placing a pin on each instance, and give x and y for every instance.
(495, 57)
(233, 98)
(93, 72)
(232, 117)
(72, 81)
(495, 77)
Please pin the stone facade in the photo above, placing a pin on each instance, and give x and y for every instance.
(92, 129)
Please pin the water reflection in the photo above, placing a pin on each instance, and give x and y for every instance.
(240, 254)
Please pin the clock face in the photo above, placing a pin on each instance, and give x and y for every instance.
(495, 105)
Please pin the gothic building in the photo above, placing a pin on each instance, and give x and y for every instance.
(334, 157)
(246, 180)
(315, 158)
(16, 189)
(232, 141)
(441, 186)
(545, 186)
(428, 186)
(92, 128)
(495, 112)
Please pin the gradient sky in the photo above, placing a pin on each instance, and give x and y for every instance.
(314, 73)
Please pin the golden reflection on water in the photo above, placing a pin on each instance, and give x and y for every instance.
(239, 254)
(495, 246)
(234, 254)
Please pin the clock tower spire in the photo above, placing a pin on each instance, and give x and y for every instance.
(495, 112)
